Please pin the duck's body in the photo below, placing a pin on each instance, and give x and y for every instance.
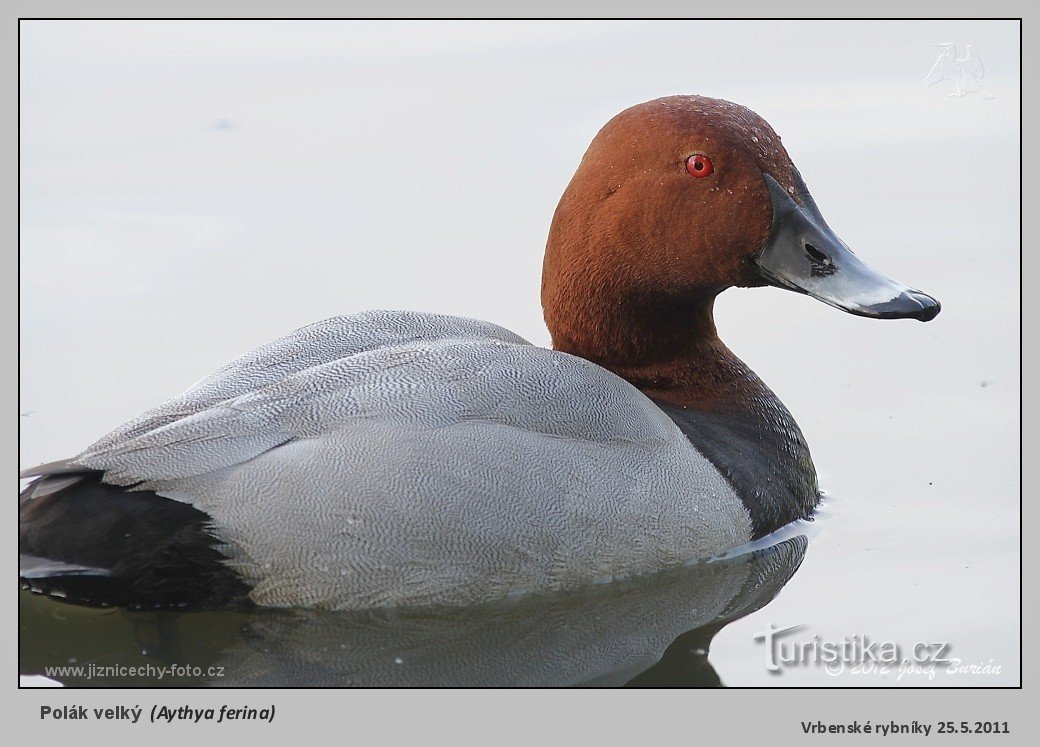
(396, 458)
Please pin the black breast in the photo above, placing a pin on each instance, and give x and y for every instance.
(762, 454)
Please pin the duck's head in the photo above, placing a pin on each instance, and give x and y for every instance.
(676, 200)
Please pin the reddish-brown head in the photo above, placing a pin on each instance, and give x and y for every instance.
(676, 200)
(665, 210)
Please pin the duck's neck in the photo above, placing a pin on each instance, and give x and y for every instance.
(675, 355)
(728, 414)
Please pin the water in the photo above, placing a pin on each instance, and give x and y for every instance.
(192, 190)
(640, 631)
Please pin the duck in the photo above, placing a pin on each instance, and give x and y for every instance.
(399, 459)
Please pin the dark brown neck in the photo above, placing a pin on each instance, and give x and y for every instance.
(674, 354)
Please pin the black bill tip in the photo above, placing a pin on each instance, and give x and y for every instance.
(910, 304)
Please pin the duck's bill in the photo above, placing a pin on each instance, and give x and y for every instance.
(803, 255)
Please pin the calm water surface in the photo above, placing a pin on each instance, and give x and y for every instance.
(654, 630)
(190, 192)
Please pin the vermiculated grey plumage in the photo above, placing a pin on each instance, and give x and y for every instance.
(398, 458)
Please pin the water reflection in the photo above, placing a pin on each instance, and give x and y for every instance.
(651, 631)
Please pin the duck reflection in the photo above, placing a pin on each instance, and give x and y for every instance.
(650, 631)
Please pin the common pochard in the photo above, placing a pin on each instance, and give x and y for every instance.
(394, 458)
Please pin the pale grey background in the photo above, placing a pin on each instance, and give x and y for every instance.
(344, 191)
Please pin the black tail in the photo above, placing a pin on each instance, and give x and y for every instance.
(104, 545)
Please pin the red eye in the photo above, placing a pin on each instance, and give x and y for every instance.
(699, 165)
